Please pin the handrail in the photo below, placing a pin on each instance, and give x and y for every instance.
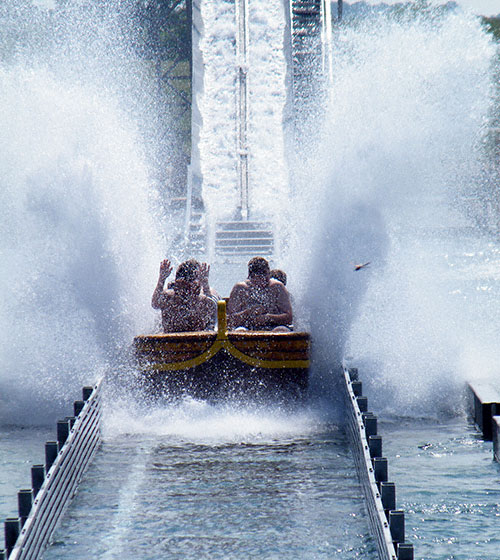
(189, 207)
(78, 440)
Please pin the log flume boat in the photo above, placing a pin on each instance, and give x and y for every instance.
(224, 364)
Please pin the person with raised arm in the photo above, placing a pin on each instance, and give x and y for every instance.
(183, 307)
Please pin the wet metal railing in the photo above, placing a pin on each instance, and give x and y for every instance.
(54, 484)
(386, 522)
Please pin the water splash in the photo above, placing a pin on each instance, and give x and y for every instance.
(195, 421)
(80, 235)
(402, 147)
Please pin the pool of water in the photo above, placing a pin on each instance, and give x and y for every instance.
(448, 485)
(20, 448)
(165, 494)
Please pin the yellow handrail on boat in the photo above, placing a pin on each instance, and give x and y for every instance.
(221, 320)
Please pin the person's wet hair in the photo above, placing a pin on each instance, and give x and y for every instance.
(258, 266)
(188, 270)
(279, 275)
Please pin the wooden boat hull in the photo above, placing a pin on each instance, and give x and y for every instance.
(256, 365)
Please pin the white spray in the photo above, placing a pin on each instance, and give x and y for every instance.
(79, 237)
(410, 102)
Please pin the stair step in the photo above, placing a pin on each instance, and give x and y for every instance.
(245, 241)
(242, 225)
(250, 251)
(243, 234)
(303, 12)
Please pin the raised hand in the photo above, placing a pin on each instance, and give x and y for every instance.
(204, 272)
(165, 269)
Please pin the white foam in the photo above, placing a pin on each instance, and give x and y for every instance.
(266, 70)
(201, 422)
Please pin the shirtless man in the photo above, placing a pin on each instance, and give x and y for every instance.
(260, 302)
(183, 307)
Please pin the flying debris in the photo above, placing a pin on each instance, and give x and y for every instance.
(360, 266)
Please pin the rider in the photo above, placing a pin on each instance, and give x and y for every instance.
(183, 306)
(260, 302)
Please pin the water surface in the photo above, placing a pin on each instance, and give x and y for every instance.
(448, 486)
(284, 497)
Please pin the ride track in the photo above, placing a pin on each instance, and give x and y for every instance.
(386, 523)
(55, 484)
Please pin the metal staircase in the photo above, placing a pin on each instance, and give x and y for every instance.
(306, 44)
(244, 238)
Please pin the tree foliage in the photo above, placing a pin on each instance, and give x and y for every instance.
(492, 25)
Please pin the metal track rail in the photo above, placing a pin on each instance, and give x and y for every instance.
(386, 523)
(242, 102)
(78, 441)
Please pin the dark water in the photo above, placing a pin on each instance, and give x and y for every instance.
(20, 447)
